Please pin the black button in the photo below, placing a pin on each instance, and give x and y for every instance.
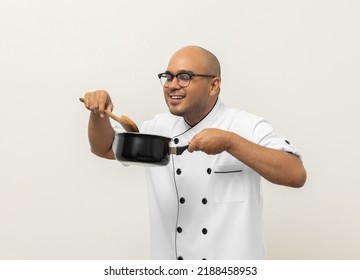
(204, 201)
(287, 142)
(180, 258)
(204, 259)
(208, 171)
(182, 200)
(178, 171)
(204, 231)
(176, 140)
(179, 229)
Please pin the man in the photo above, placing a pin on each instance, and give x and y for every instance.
(206, 204)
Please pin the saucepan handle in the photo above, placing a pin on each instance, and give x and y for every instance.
(178, 150)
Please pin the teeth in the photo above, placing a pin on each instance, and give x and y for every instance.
(176, 97)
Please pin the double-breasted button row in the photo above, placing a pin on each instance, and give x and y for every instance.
(180, 258)
(179, 230)
(182, 200)
(208, 171)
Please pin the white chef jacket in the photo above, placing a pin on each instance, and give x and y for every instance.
(208, 206)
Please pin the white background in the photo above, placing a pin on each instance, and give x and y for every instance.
(297, 63)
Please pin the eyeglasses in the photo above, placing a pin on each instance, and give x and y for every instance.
(183, 79)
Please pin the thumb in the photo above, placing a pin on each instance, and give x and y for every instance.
(110, 107)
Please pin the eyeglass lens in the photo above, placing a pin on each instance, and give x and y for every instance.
(183, 79)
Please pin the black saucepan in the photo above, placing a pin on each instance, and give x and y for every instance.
(145, 149)
(138, 148)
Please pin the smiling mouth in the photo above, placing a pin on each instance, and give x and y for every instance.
(177, 97)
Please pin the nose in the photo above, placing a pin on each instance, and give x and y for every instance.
(174, 84)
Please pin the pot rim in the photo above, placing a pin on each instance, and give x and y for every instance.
(144, 135)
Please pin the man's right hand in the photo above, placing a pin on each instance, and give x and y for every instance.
(97, 102)
(100, 132)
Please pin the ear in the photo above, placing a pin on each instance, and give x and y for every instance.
(215, 86)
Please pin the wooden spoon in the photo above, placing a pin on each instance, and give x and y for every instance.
(128, 124)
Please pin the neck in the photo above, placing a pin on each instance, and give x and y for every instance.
(194, 122)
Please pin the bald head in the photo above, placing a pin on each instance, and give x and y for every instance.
(203, 57)
(195, 100)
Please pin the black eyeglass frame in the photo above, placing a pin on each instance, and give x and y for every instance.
(191, 75)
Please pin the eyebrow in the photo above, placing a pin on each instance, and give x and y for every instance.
(179, 72)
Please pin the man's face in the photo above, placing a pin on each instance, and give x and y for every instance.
(192, 102)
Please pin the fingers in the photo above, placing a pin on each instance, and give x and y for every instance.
(97, 102)
(210, 140)
(191, 147)
(194, 144)
(197, 144)
(101, 105)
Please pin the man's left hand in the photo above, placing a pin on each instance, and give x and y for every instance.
(210, 140)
